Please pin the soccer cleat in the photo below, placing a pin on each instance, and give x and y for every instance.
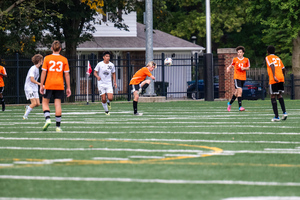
(26, 107)
(107, 113)
(3, 106)
(275, 119)
(25, 118)
(108, 106)
(228, 106)
(58, 129)
(284, 116)
(140, 91)
(47, 124)
(138, 114)
(241, 109)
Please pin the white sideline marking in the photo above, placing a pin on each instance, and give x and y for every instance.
(23, 198)
(6, 165)
(259, 152)
(263, 198)
(109, 158)
(150, 157)
(175, 155)
(153, 139)
(43, 162)
(101, 149)
(166, 181)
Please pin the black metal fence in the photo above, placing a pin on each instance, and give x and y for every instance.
(184, 79)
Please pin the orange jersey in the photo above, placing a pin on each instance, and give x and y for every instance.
(2, 71)
(272, 59)
(55, 65)
(237, 64)
(139, 76)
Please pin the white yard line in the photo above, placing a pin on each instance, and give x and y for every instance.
(263, 198)
(162, 181)
(23, 198)
(109, 158)
(147, 157)
(152, 139)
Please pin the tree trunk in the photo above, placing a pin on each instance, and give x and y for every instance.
(296, 65)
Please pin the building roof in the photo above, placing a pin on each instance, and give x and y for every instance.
(161, 42)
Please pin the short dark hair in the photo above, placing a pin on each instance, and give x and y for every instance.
(271, 49)
(106, 52)
(240, 48)
(37, 58)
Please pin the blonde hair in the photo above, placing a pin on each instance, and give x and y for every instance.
(56, 46)
(151, 63)
(37, 58)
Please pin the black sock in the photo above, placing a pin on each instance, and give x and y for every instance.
(135, 107)
(232, 99)
(240, 101)
(2, 100)
(274, 105)
(47, 114)
(58, 120)
(281, 101)
(145, 87)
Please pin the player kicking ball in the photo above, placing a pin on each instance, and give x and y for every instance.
(240, 65)
(32, 85)
(103, 71)
(139, 84)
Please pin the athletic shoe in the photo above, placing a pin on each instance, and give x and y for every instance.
(108, 106)
(241, 109)
(228, 106)
(47, 124)
(138, 114)
(275, 119)
(3, 106)
(140, 91)
(26, 107)
(24, 117)
(58, 129)
(107, 113)
(284, 116)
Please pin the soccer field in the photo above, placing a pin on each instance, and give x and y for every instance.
(176, 150)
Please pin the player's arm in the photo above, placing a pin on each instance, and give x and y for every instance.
(96, 75)
(229, 68)
(34, 81)
(114, 78)
(247, 67)
(283, 71)
(152, 77)
(273, 71)
(67, 77)
(43, 76)
(4, 75)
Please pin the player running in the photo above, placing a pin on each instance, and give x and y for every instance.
(240, 65)
(55, 66)
(139, 84)
(276, 72)
(31, 84)
(2, 74)
(103, 72)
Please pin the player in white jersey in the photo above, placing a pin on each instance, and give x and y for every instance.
(103, 71)
(32, 84)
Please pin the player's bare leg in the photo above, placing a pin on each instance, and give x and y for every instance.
(144, 86)
(104, 104)
(109, 99)
(135, 102)
(57, 104)
(34, 103)
(2, 102)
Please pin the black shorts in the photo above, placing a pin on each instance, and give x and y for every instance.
(276, 88)
(57, 94)
(238, 83)
(135, 88)
(1, 90)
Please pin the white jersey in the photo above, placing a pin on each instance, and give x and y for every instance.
(30, 86)
(105, 71)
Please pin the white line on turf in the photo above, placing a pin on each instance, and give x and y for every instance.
(23, 198)
(109, 158)
(264, 198)
(165, 181)
(151, 139)
(149, 157)
(47, 161)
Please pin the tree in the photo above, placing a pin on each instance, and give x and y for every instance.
(282, 28)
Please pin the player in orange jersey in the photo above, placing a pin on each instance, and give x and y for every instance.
(55, 67)
(2, 74)
(276, 72)
(240, 65)
(139, 84)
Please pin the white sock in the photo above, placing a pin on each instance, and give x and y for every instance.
(29, 109)
(107, 101)
(105, 107)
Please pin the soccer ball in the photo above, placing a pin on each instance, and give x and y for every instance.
(168, 61)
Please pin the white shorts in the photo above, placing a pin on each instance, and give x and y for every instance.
(32, 95)
(105, 89)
